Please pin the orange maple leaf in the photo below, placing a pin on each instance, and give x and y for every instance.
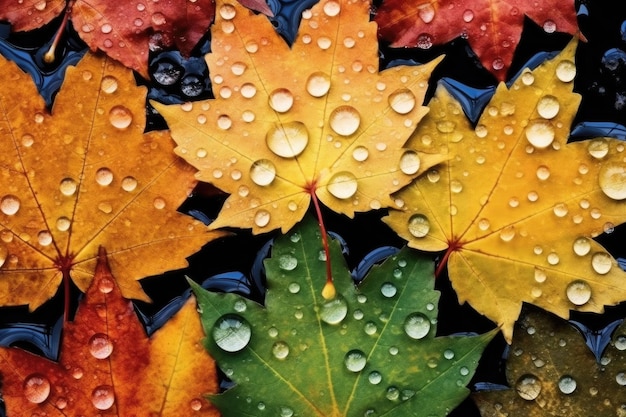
(492, 27)
(517, 206)
(86, 176)
(108, 365)
(317, 120)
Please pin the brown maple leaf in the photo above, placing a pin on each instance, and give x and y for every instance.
(492, 27)
(122, 29)
(291, 125)
(517, 206)
(84, 176)
(108, 365)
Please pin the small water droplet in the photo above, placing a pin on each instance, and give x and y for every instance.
(601, 262)
(375, 378)
(448, 354)
(286, 412)
(578, 292)
(294, 288)
(334, 311)
(345, 120)
(100, 346)
(560, 210)
(548, 107)
(44, 238)
(426, 12)
(77, 373)
(104, 176)
(287, 262)
(224, 122)
(370, 328)
(318, 84)
(402, 101)
(195, 404)
(109, 84)
(620, 378)
(566, 71)
(287, 139)
(10, 204)
(419, 226)
(417, 325)
(36, 388)
(582, 246)
(280, 350)
(228, 12)
(281, 100)
(360, 153)
(567, 384)
(129, 184)
(528, 387)
(468, 16)
(507, 233)
(392, 393)
(540, 133)
(598, 148)
(331, 8)
(105, 285)
(106, 28)
(120, 117)
(231, 333)
(549, 26)
(263, 172)
(158, 203)
(262, 218)
(388, 289)
(497, 64)
(612, 180)
(102, 397)
(553, 258)
(240, 306)
(342, 185)
(355, 360)
(324, 42)
(528, 78)
(543, 173)
(410, 162)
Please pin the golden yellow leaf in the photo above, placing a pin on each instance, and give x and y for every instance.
(316, 119)
(517, 207)
(86, 176)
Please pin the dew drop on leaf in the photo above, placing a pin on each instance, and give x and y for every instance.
(334, 311)
(416, 325)
(287, 262)
(36, 388)
(612, 180)
(409, 162)
(10, 204)
(620, 342)
(598, 148)
(129, 184)
(375, 377)
(105, 285)
(120, 117)
(44, 238)
(100, 346)
(281, 100)
(263, 172)
(448, 354)
(195, 404)
(294, 288)
(102, 397)
(109, 84)
(370, 328)
(280, 350)
(262, 218)
(601, 263)
(620, 378)
(288, 139)
(224, 122)
(582, 246)
(507, 233)
(360, 153)
(567, 384)
(104, 176)
(231, 333)
(402, 101)
(343, 185)
(355, 360)
(158, 203)
(392, 393)
(543, 173)
(228, 12)
(528, 387)
(331, 8)
(388, 290)
(548, 107)
(468, 16)
(540, 133)
(345, 120)
(419, 226)
(318, 84)
(578, 292)
(566, 71)
(286, 412)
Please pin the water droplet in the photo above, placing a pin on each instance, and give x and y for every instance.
(620, 342)
(582, 246)
(240, 306)
(263, 172)
(294, 288)
(578, 292)
(228, 12)
(410, 162)
(446, 126)
(612, 180)
(566, 71)
(601, 262)
(507, 233)
(36, 388)
(224, 122)
(392, 393)
(548, 107)
(318, 84)
(402, 101)
(106, 28)
(560, 210)
(620, 378)
(342, 185)
(334, 311)
(287, 262)
(375, 377)
(416, 325)
(543, 173)
(345, 120)
(109, 84)
(464, 370)
(549, 26)
(262, 218)
(281, 100)
(528, 387)
(287, 139)
(388, 289)
(129, 184)
(100, 346)
(553, 258)
(324, 42)
(10, 204)
(158, 203)
(598, 148)
(280, 350)
(468, 16)
(497, 64)
(360, 153)
(104, 176)
(355, 360)
(528, 78)
(419, 226)
(105, 285)
(68, 186)
(448, 354)
(77, 373)
(540, 133)
(195, 404)
(248, 90)
(120, 117)
(370, 328)
(102, 397)
(567, 384)
(231, 333)
(44, 238)
(332, 8)
(426, 12)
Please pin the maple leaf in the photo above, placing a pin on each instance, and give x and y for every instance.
(517, 206)
(552, 372)
(107, 363)
(492, 27)
(123, 30)
(316, 120)
(373, 347)
(86, 176)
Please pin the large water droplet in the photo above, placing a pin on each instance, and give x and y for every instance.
(109, 84)
(102, 397)
(36, 388)
(68, 186)
(228, 12)
(417, 325)
(548, 107)
(334, 311)
(231, 333)
(419, 226)
(345, 120)
(104, 176)
(528, 387)
(120, 117)
(598, 148)
(129, 184)
(582, 246)
(287, 262)
(507, 233)
(100, 346)
(567, 384)
(566, 71)
(280, 350)
(263, 172)
(332, 8)
(44, 238)
(318, 84)
(578, 292)
(402, 101)
(342, 185)
(612, 180)
(410, 162)
(543, 173)
(262, 218)
(10, 204)
(388, 289)
(540, 133)
(355, 360)
(287, 139)
(360, 153)
(601, 262)
(375, 377)
(281, 100)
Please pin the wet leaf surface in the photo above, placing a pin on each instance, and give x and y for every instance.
(324, 122)
(521, 205)
(84, 176)
(371, 349)
(107, 364)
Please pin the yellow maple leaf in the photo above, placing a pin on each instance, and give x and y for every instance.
(86, 176)
(517, 207)
(314, 120)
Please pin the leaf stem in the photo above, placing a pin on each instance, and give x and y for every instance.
(66, 295)
(49, 56)
(329, 291)
(444, 260)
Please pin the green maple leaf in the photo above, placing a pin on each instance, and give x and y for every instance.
(370, 351)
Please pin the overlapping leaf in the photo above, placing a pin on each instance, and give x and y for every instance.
(517, 207)
(552, 372)
(123, 30)
(107, 364)
(316, 118)
(86, 176)
(492, 28)
(370, 350)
